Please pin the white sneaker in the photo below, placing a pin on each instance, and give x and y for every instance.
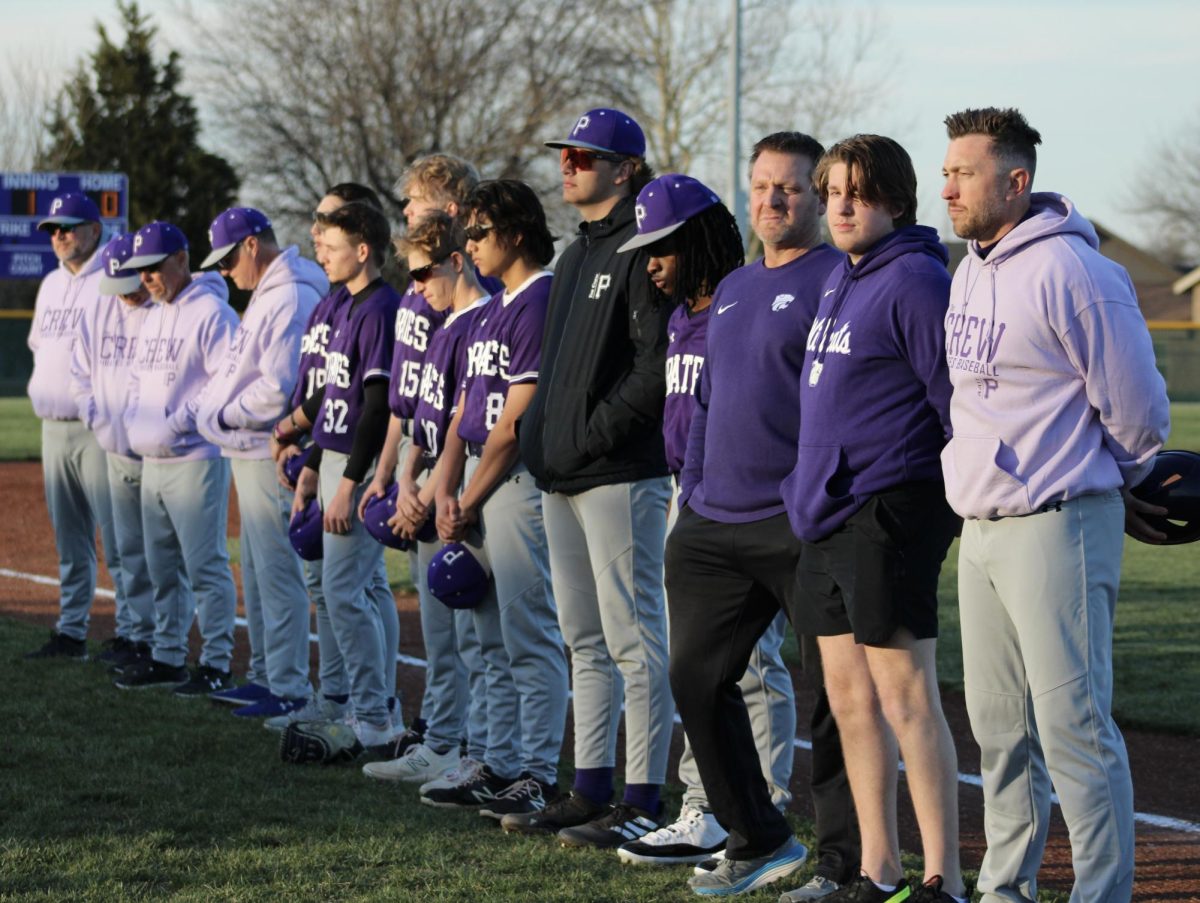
(693, 837)
(371, 735)
(419, 765)
(318, 708)
(817, 887)
(466, 770)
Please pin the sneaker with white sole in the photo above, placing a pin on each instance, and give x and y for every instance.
(318, 708)
(707, 865)
(472, 794)
(466, 769)
(418, 765)
(740, 876)
(246, 694)
(526, 795)
(818, 887)
(693, 837)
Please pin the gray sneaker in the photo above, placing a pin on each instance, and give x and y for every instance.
(740, 876)
(318, 708)
(817, 887)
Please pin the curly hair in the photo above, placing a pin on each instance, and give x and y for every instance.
(438, 235)
(444, 178)
(708, 247)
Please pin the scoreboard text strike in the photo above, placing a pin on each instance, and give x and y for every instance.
(25, 197)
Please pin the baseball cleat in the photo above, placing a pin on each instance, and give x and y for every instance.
(60, 646)
(204, 680)
(567, 811)
(526, 795)
(418, 765)
(740, 876)
(466, 769)
(151, 673)
(620, 824)
(693, 837)
(472, 794)
(243, 695)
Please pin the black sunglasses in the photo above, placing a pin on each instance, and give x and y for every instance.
(320, 218)
(478, 232)
(226, 263)
(62, 228)
(422, 274)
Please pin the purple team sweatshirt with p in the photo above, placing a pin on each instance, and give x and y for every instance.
(875, 396)
(180, 347)
(742, 440)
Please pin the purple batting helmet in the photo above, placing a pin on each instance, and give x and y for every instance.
(460, 573)
(306, 532)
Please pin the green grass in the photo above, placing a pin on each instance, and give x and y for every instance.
(112, 795)
(20, 431)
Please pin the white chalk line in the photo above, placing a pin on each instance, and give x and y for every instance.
(972, 780)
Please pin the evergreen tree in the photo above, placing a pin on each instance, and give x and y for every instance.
(124, 112)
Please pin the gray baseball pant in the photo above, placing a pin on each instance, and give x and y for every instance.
(135, 611)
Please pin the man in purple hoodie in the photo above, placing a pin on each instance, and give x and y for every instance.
(866, 498)
(1057, 410)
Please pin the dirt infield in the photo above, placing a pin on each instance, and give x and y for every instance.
(1164, 766)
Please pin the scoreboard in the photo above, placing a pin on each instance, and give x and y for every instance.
(25, 251)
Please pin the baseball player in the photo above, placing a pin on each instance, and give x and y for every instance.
(185, 481)
(693, 243)
(867, 499)
(105, 349)
(329, 704)
(444, 278)
(1057, 410)
(73, 463)
(516, 623)
(731, 557)
(236, 412)
(348, 416)
(592, 438)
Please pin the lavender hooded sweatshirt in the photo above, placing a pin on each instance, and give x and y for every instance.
(1056, 394)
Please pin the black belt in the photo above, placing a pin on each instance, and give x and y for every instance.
(1044, 509)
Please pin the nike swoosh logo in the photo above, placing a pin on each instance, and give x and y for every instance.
(724, 307)
(828, 293)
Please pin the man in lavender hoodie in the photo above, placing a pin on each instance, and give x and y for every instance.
(185, 481)
(1057, 411)
(250, 391)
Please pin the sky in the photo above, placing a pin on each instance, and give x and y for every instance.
(1104, 82)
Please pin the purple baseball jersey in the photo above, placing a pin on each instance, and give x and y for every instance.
(505, 349)
(416, 322)
(313, 343)
(445, 364)
(685, 360)
(359, 352)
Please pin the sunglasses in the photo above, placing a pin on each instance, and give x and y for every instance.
(227, 263)
(478, 232)
(422, 274)
(584, 160)
(321, 219)
(62, 228)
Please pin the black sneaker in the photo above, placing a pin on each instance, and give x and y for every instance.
(60, 646)
(567, 811)
(863, 890)
(402, 744)
(472, 794)
(129, 656)
(151, 673)
(204, 680)
(620, 824)
(526, 795)
(115, 649)
(930, 892)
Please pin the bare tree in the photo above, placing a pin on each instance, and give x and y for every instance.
(1166, 196)
(28, 86)
(309, 92)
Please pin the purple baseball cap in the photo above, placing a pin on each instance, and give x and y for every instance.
(229, 228)
(154, 243)
(665, 204)
(375, 518)
(306, 532)
(607, 131)
(117, 280)
(460, 573)
(71, 209)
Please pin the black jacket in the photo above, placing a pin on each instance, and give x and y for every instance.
(596, 417)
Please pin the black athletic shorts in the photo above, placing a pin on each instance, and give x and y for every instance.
(878, 571)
